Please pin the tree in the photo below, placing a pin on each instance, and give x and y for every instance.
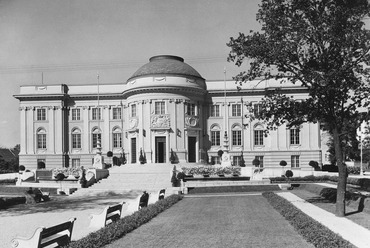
(322, 46)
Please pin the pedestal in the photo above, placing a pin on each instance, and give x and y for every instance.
(98, 162)
(225, 159)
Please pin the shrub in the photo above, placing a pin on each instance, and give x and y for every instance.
(60, 176)
(283, 163)
(330, 168)
(22, 168)
(354, 170)
(289, 173)
(120, 228)
(256, 162)
(311, 230)
(219, 153)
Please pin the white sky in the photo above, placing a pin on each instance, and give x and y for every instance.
(69, 41)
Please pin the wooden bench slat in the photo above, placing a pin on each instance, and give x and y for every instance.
(60, 240)
(55, 229)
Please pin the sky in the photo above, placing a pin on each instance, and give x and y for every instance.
(71, 41)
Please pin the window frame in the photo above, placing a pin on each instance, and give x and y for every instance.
(76, 139)
(260, 158)
(117, 113)
(133, 110)
(96, 113)
(236, 110)
(41, 114)
(95, 136)
(294, 136)
(215, 110)
(160, 107)
(294, 161)
(191, 109)
(41, 139)
(76, 114)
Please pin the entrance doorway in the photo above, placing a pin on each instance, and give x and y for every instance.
(133, 150)
(192, 156)
(160, 149)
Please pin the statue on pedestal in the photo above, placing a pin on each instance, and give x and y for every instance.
(98, 158)
(225, 159)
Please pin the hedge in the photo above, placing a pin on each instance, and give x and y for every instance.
(120, 228)
(311, 230)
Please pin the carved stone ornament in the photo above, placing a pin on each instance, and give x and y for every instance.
(132, 123)
(192, 121)
(160, 121)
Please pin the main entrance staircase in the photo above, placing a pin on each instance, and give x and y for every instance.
(132, 177)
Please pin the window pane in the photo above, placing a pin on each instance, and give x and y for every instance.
(294, 137)
(258, 137)
(76, 114)
(96, 114)
(117, 140)
(215, 110)
(76, 140)
(236, 110)
(215, 138)
(191, 109)
(41, 114)
(41, 141)
(237, 138)
(159, 108)
(295, 161)
(117, 113)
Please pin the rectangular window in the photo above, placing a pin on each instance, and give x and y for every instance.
(41, 141)
(159, 108)
(133, 110)
(294, 136)
(295, 161)
(215, 110)
(117, 140)
(236, 160)
(96, 137)
(215, 160)
(76, 140)
(237, 138)
(257, 108)
(258, 137)
(41, 114)
(260, 158)
(117, 113)
(191, 109)
(76, 162)
(215, 138)
(76, 115)
(96, 114)
(236, 110)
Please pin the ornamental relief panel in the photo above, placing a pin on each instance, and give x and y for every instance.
(132, 123)
(191, 121)
(160, 121)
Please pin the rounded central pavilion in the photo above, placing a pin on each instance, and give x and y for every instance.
(165, 98)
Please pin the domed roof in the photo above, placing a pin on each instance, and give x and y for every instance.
(166, 65)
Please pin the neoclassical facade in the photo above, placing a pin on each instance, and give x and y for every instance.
(165, 105)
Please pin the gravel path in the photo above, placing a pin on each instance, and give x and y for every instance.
(240, 220)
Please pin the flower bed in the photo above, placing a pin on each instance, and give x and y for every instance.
(211, 170)
(74, 171)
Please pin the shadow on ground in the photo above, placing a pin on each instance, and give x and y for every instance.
(62, 203)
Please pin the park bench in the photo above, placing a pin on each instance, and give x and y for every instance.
(107, 216)
(59, 235)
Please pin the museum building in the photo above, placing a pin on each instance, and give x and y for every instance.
(166, 105)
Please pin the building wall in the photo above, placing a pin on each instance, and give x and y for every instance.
(175, 125)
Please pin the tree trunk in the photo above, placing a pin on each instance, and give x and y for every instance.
(340, 206)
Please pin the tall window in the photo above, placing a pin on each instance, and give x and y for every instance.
(159, 108)
(191, 109)
(76, 162)
(76, 114)
(257, 108)
(215, 136)
(117, 113)
(260, 158)
(96, 135)
(215, 110)
(96, 114)
(236, 160)
(258, 135)
(236, 110)
(294, 136)
(237, 137)
(295, 161)
(41, 139)
(117, 138)
(133, 110)
(76, 138)
(41, 114)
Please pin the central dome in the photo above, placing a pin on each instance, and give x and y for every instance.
(162, 65)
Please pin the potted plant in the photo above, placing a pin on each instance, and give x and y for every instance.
(173, 157)
(142, 157)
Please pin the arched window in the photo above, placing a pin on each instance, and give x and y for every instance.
(236, 131)
(41, 138)
(215, 135)
(76, 138)
(258, 135)
(96, 135)
(117, 137)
